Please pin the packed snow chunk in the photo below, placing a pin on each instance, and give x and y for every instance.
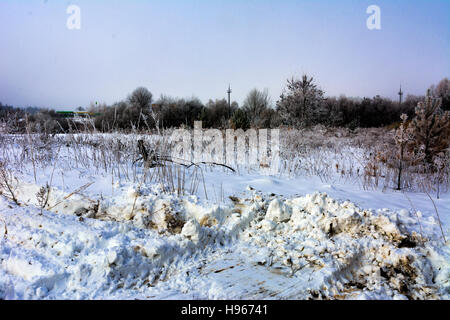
(165, 218)
(133, 192)
(206, 216)
(278, 211)
(387, 228)
(19, 264)
(268, 225)
(191, 230)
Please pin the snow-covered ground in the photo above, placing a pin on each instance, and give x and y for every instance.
(241, 236)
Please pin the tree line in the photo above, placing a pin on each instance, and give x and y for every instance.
(302, 104)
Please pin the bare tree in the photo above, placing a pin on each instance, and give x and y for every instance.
(140, 102)
(141, 98)
(402, 139)
(255, 104)
(442, 91)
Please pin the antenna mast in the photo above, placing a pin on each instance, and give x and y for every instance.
(400, 93)
(229, 101)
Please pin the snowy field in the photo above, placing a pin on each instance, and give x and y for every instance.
(111, 230)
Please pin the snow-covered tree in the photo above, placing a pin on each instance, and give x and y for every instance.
(430, 129)
(403, 157)
(301, 105)
(442, 91)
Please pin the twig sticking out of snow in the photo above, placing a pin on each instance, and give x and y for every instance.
(439, 219)
(415, 212)
(8, 184)
(155, 160)
(138, 192)
(72, 193)
(211, 163)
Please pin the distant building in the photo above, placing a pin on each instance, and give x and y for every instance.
(78, 116)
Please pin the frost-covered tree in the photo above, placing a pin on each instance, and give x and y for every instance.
(301, 103)
(140, 102)
(402, 138)
(255, 104)
(430, 129)
(442, 91)
(141, 98)
(269, 119)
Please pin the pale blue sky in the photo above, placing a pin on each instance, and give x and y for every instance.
(185, 48)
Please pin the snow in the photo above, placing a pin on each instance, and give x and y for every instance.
(278, 211)
(249, 236)
(309, 246)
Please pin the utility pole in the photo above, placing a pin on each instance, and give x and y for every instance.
(400, 93)
(229, 102)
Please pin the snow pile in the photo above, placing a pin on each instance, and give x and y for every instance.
(62, 257)
(144, 244)
(348, 249)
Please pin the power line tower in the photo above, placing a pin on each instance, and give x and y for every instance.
(229, 101)
(400, 93)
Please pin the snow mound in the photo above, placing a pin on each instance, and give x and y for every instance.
(144, 244)
(348, 249)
